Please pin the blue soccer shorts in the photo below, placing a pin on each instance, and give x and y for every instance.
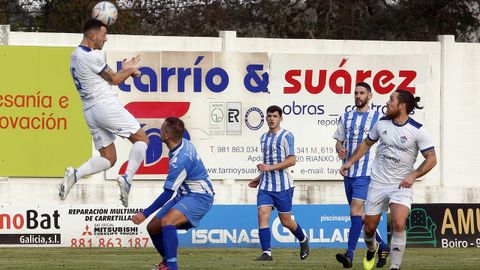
(356, 188)
(282, 200)
(193, 206)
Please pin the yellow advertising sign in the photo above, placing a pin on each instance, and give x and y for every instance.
(42, 127)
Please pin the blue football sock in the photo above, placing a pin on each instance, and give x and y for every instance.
(264, 234)
(354, 234)
(299, 233)
(383, 245)
(170, 245)
(157, 240)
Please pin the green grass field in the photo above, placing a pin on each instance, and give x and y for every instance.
(95, 258)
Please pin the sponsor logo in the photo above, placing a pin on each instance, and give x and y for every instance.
(87, 231)
(217, 118)
(111, 229)
(216, 115)
(395, 160)
(31, 239)
(254, 118)
(30, 220)
(234, 111)
(279, 233)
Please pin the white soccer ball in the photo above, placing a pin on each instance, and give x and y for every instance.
(106, 12)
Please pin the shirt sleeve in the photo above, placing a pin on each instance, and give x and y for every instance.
(289, 144)
(159, 202)
(374, 134)
(177, 173)
(95, 62)
(340, 132)
(423, 141)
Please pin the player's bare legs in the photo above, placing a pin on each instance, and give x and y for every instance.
(264, 213)
(294, 227)
(140, 135)
(109, 152)
(399, 214)
(136, 157)
(356, 207)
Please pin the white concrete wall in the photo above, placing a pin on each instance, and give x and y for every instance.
(461, 115)
(119, 42)
(450, 107)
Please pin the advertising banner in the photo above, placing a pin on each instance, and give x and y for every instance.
(222, 97)
(223, 226)
(42, 127)
(314, 90)
(444, 226)
(213, 93)
(71, 226)
(326, 226)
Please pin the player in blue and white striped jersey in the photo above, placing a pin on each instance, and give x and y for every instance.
(189, 178)
(400, 139)
(353, 128)
(276, 183)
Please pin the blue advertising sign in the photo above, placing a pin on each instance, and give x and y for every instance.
(326, 226)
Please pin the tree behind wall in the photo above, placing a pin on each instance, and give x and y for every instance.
(319, 19)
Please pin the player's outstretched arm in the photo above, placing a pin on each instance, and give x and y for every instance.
(159, 202)
(356, 155)
(117, 78)
(426, 166)
(129, 68)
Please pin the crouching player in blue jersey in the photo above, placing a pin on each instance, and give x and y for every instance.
(276, 184)
(186, 175)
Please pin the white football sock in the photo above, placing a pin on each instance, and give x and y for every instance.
(92, 166)
(137, 155)
(399, 241)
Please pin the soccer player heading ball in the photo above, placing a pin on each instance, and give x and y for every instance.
(105, 115)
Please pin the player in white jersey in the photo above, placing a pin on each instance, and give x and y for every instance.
(353, 128)
(276, 184)
(105, 115)
(400, 138)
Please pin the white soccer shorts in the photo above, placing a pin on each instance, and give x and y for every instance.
(107, 119)
(378, 199)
